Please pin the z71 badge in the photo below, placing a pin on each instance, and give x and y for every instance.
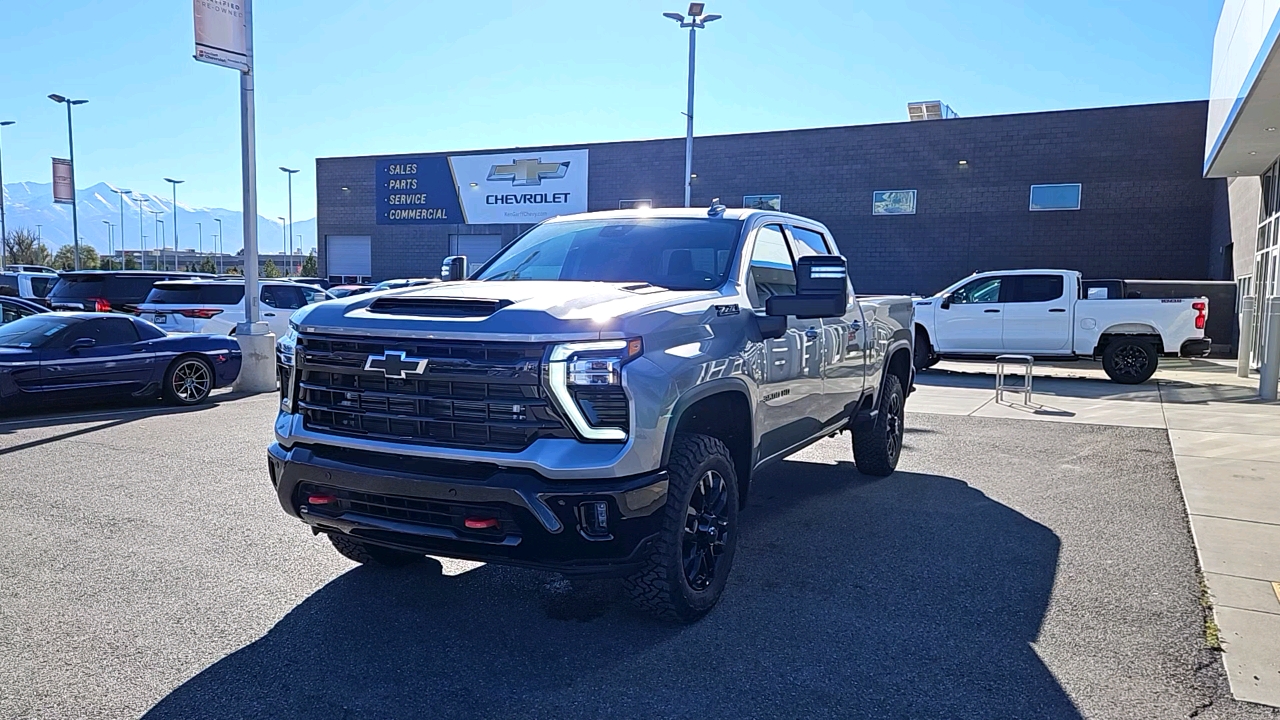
(723, 310)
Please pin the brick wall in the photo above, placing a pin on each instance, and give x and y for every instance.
(1145, 209)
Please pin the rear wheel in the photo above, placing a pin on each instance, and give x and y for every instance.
(922, 354)
(685, 574)
(367, 554)
(877, 447)
(188, 381)
(1130, 361)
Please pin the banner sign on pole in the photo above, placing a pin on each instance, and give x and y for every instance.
(220, 33)
(63, 189)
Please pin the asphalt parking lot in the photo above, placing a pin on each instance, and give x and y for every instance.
(1010, 569)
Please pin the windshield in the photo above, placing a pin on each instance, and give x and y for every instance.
(675, 253)
(34, 330)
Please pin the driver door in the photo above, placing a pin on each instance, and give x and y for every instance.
(117, 361)
(971, 319)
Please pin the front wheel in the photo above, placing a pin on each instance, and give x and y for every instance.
(1130, 361)
(367, 554)
(685, 574)
(188, 381)
(877, 447)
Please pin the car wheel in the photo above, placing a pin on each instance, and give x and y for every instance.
(877, 447)
(1130, 361)
(922, 354)
(367, 554)
(188, 381)
(685, 574)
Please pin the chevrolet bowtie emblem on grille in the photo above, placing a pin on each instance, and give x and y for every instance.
(529, 171)
(395, 365)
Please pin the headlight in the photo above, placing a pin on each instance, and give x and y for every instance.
(286, 346)
(579, 367)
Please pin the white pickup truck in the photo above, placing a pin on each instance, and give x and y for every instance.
(1042, 313)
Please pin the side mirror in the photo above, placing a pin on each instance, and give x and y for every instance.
(82, 343)
(822, 290)
(946, 301)
(454, 268)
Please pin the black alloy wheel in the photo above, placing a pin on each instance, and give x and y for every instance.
(1130, 361)
(706, 530)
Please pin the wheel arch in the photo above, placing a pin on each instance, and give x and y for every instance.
(722, 409)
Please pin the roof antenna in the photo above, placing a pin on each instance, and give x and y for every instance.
(716, 208)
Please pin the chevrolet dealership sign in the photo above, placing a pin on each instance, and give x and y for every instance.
(516, 188)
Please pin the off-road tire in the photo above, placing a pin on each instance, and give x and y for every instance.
(367, 554)
(661, 586)
(922, 354)
(1130, 361)
(878, 445)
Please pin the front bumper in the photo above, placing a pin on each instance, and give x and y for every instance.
(1197, 347)
(421, 505)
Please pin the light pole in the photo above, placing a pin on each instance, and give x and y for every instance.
(220, 244)
(110, 237)
(284, 240)
(200, 241)
(142, 239)
(121, 192)
(175, 184)
(4, 236)
(71, 153)
(290, 173)
(697, 21)
(159, 243)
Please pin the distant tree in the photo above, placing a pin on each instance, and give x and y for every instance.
(131, 263)
(234, 271)
(310, 268)
(24, 247)
(108, 263)
(269, 270)
(65, 258)
(207, 265)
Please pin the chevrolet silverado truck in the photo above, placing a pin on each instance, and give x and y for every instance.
(1045, 314)
(595, 400)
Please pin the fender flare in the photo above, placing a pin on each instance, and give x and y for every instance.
(702, 391)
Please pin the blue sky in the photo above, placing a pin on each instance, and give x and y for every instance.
(376, 76)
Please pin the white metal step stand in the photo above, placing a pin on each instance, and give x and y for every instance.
(1028, 371)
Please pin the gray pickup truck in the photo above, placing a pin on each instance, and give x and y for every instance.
(595, 400)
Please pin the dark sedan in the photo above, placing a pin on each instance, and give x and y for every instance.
(60, 357)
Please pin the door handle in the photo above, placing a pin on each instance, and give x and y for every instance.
(268, 314)
(1057, 309)
(811, 333)
(992, 310)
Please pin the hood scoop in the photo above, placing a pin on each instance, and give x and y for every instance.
(437, 306)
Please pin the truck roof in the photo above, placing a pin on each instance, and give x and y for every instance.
(692, 213)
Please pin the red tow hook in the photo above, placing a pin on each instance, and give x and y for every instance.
(320, 499)
(479, 523)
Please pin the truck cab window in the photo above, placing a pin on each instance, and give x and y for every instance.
(982, 290)
(773, 272)
(809, 242)
(1032, 288)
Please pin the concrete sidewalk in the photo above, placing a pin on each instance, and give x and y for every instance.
(1226, 445)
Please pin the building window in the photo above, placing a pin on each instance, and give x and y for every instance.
(643, 204)
(1055, 197)
(893, 202)
(762, 202)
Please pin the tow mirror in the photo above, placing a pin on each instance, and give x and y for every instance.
(822, 290)
(83, 343)
(454, 268)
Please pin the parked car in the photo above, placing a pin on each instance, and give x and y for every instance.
(595, 402)
(29, 285)
(339, 291)
(17, 267)
(321, 283)
(403, 283)
(108, 290)
(12, 308)
(60, 357)
(217, 305)
(1044, 314)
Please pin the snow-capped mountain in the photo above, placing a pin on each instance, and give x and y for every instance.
(30, 206)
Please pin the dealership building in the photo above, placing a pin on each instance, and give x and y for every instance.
(1113, 192)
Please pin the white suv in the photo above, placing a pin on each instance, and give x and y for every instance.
(217, 305)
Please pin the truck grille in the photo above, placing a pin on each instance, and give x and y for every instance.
(471, 394)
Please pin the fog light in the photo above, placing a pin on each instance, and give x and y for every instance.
(594, 519)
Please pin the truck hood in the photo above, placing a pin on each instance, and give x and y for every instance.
(512, 309)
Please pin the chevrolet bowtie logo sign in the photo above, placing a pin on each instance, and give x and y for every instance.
(395, 365)
(529, 171)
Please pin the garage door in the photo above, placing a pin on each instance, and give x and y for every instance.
(347, 258)
(477, 248)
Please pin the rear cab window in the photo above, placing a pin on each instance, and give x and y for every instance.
(1031, 288)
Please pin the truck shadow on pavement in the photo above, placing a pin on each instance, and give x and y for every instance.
(910, 596)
